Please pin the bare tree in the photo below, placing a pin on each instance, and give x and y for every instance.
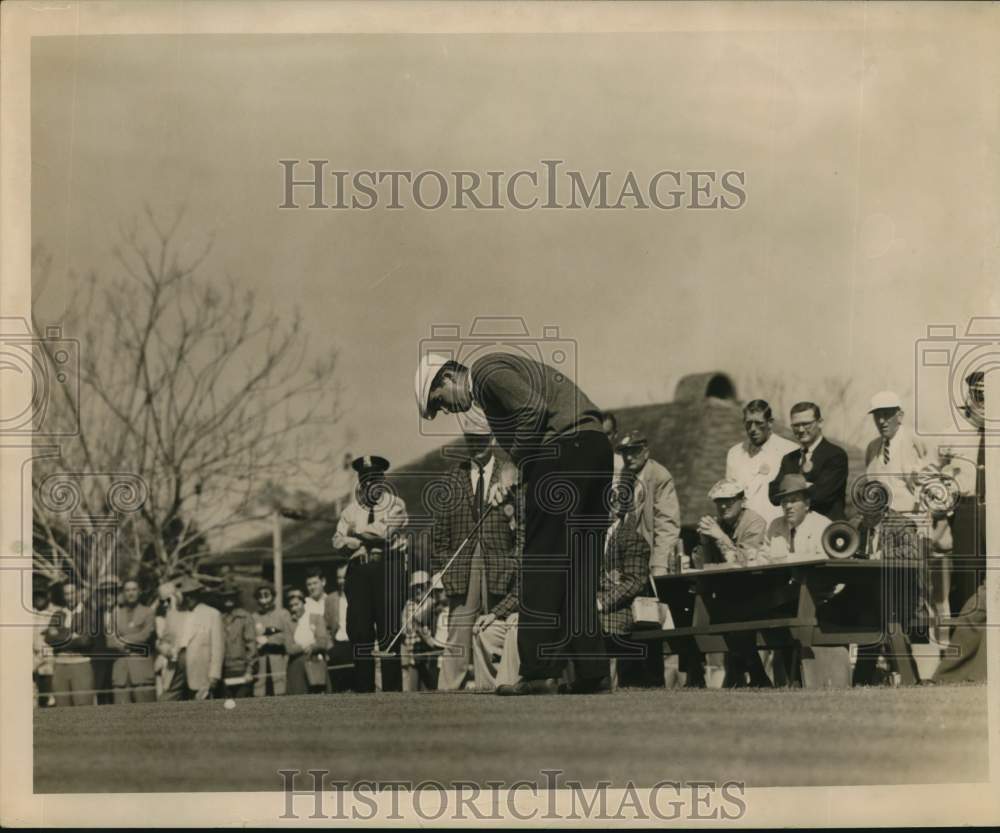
(190, 386)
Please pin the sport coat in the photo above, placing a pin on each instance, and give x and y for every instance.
(455, 519)
(132, 634)
(660, 521)
(626, 575)
(828, 477)
(205, 644)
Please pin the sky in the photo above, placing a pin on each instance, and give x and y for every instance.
(870, 175)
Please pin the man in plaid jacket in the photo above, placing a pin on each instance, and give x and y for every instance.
(478, 578)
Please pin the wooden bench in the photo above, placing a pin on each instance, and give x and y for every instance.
(808, 604)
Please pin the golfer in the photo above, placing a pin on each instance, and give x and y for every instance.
(553, 433)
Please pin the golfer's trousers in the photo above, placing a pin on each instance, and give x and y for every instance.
(567, 513)
(375, 598)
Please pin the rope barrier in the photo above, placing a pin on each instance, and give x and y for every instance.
(277, 675)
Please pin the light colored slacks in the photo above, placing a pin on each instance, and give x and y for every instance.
(462, 615)
(499, 638)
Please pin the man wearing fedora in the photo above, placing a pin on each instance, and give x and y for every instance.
(194, 644)
(367, 533)
(821, 462)
(553, 433)
(798, 534)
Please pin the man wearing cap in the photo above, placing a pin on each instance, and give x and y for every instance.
(194, 644)
(798, 534)
(968, 525)
(477, 578)
(376, 573)
(552, 432)
(896, 457)
(240, 645)
(755, 462)
(821, 462)
(655, 500)
(735, 535)
(131, 634)
(273, 628)
(420, 670)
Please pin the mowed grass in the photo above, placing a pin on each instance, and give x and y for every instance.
(763, 738)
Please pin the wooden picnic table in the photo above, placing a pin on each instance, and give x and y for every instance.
(817, 603)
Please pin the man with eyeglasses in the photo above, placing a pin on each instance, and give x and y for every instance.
(754, 463)
(823, 464)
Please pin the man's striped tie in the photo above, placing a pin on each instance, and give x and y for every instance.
(885, 451)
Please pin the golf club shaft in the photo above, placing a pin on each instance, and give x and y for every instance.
(430, 589)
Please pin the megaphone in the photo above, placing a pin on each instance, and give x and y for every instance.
(840, 540)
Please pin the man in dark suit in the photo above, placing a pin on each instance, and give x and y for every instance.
(822, 463)
(479, 575)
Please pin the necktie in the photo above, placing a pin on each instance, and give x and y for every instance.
(478, 500)
(885, 451)
(791, 539)
(371, 515)
(805, 464)
(981, 468)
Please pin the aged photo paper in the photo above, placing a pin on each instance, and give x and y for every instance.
(461, 414)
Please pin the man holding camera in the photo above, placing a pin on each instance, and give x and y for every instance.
(553, 433)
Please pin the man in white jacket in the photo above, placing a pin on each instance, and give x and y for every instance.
(194, 645)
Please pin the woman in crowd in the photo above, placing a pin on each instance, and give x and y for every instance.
(307, 652)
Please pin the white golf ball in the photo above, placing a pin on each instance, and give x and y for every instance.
(229, 704)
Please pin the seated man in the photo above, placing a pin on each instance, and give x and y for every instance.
(735, 535)
(798, 534)
(626, 575)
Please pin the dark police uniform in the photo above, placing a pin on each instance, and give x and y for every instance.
(376, 573)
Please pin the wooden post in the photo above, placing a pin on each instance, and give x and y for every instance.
(279, 577)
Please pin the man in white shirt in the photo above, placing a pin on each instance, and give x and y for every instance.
(755, 462)
(335, 613)
(367, 533)
(896, 458)
(798, 534)
(315, 601)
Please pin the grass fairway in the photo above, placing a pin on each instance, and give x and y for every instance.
(764, 738)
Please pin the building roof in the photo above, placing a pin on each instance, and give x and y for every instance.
(690, 436)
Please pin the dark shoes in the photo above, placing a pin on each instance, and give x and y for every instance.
(525, 687)
(592, 685)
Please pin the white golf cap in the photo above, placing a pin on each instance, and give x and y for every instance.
(427, 369)
(419, 577)
(885, 399)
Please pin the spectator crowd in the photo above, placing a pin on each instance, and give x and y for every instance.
(454, 626)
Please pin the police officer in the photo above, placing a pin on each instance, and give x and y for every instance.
(376, 572)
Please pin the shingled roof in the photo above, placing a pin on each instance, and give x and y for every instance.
(689, 435)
